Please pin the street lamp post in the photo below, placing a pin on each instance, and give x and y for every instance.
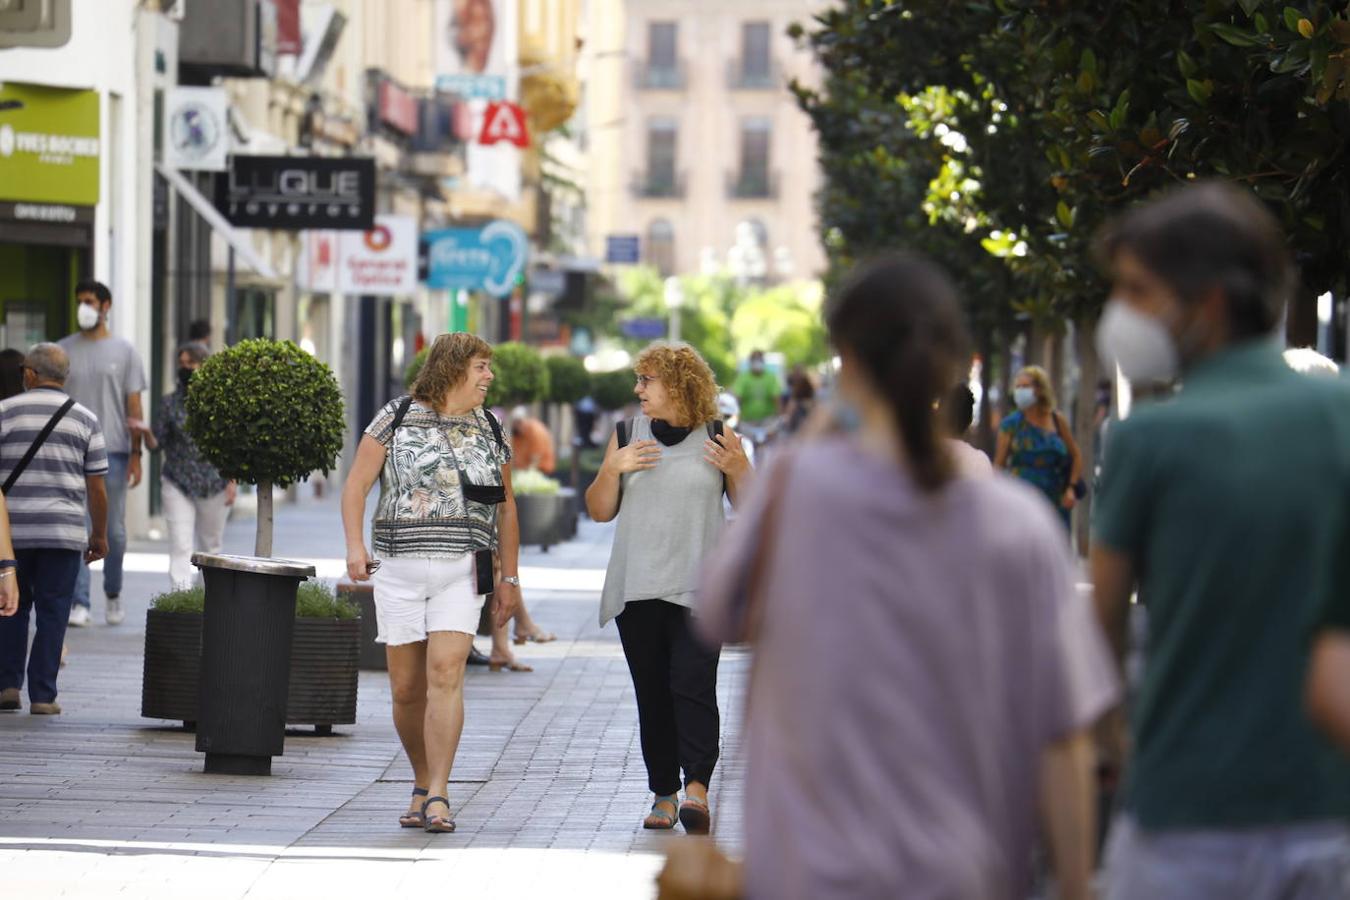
(674, 302)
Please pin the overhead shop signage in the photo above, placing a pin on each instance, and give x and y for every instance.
(488, 259)
(504, 122)
(298, 192)
(195, 135)
(49, 144)
(381, 262)
(397, 108)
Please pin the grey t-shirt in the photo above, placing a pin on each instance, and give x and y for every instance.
(102, 373)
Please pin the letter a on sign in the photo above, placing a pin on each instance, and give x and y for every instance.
(505, 122)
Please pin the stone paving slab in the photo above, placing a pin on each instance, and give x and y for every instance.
(549, 788)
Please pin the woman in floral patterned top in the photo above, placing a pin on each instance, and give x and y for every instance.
(445, 493)
(197, 499)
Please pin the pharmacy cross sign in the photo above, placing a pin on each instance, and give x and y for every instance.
(505, 121)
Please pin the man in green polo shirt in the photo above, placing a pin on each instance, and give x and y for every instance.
(757, 391)
(1227, 507)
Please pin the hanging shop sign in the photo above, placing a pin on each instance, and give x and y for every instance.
(504, 123)
(381, 261)
(49, 145)
(297, 192)
(195, 130)
(488, 259)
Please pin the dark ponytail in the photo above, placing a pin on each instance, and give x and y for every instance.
(899, 318)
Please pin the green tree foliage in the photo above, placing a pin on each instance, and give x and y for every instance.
(613, 390)
(786, 319)
(568, 380)
(521, 376)
(267, 413)
(414, 367)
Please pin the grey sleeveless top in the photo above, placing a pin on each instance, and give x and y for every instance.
(669, 518)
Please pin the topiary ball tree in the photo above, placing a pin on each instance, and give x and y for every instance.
(614, 390)
(521, 374)
(267, 413)
(568, 380)
(418, 361)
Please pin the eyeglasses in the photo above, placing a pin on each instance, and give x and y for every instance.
(644, 380)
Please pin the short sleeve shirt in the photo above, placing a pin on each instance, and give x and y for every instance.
(102, 373)
(758, 395)
(47, 502)
(1233, 503)
(422, 511)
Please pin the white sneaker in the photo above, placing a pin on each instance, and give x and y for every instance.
(115, 613)
(79, 616)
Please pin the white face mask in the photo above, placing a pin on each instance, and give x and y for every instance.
(1024, 397)
(87, 317)
(1138, 343)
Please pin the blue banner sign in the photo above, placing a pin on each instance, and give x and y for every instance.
(488, 259)
(473, 87)
(622, 248)
(643, 329)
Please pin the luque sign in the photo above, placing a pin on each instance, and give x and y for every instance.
(298, 192)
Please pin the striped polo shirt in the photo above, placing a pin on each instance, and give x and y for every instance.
(47, 503)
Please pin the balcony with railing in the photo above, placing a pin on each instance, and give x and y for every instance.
(741, 77)
(658, 185)
(752, 184)
(648, 76)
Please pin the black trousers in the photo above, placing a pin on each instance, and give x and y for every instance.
(675, 678)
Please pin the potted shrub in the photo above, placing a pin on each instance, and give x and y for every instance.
(323, 661)
(522, 376)
(264, 413)
(544, 508)
(568, 382)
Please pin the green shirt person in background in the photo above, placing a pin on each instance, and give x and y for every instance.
(1229, 508)
(758, 391)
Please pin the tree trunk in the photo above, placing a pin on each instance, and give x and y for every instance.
(1085, 432)
(1035, 346)
(263, 547)
(1301, 321)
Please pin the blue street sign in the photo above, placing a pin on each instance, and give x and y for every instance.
(623, 248)
(643, 329)
(473, 87)
(489, 259)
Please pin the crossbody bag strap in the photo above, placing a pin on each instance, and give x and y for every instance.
(37, 444)
(399, 415)
(715, 428)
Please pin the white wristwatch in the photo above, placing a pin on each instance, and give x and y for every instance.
(511, 579)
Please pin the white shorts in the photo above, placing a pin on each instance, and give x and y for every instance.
(417, 596)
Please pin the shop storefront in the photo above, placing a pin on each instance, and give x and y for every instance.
(49, 186)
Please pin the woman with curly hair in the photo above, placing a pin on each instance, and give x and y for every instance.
(663, 477)
(445, 496)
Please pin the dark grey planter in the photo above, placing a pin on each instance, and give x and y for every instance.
(247, 629)
(546, 520)
(171, 675)
(324, 666)
(371, 656)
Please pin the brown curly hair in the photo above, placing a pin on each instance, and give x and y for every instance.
(447, 363)
(687, 378)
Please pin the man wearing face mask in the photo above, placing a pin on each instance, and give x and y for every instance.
(107, 377)
(197, 499)
(1226, 507)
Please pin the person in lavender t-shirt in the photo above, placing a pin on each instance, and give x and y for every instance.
(925, 672)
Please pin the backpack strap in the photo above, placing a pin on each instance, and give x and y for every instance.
(715, 428)
(400, 413)
(496, 428)
(38, 441)
(624, 431)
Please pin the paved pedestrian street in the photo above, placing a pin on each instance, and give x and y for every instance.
(549, 789)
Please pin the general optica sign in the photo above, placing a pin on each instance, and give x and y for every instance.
(49, 145)
(381, 261)
(488, 259)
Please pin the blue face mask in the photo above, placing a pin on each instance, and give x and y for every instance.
(1024, 397)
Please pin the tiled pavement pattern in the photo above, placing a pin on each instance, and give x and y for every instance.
(549, 788)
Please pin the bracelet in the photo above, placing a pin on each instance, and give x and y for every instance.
(9, 563)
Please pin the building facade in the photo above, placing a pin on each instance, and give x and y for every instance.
(698, 147)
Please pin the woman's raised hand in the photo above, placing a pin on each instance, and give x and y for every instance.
(636, 457)
(727, 454)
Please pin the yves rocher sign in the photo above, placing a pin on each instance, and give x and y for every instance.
(298, 192)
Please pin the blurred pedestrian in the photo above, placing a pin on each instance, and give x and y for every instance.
(958, 409)
(197, 499)
(757, 391)
(107, 377)
(1036, 445)
(531, 443)
(801, 399)
(663, 477)
(1218, 507)
(902, 737)
(52, 464)
(11, 373)
(445, 503)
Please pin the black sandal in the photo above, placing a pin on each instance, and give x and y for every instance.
(415, 819)
(695, 815)
(437, 824)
